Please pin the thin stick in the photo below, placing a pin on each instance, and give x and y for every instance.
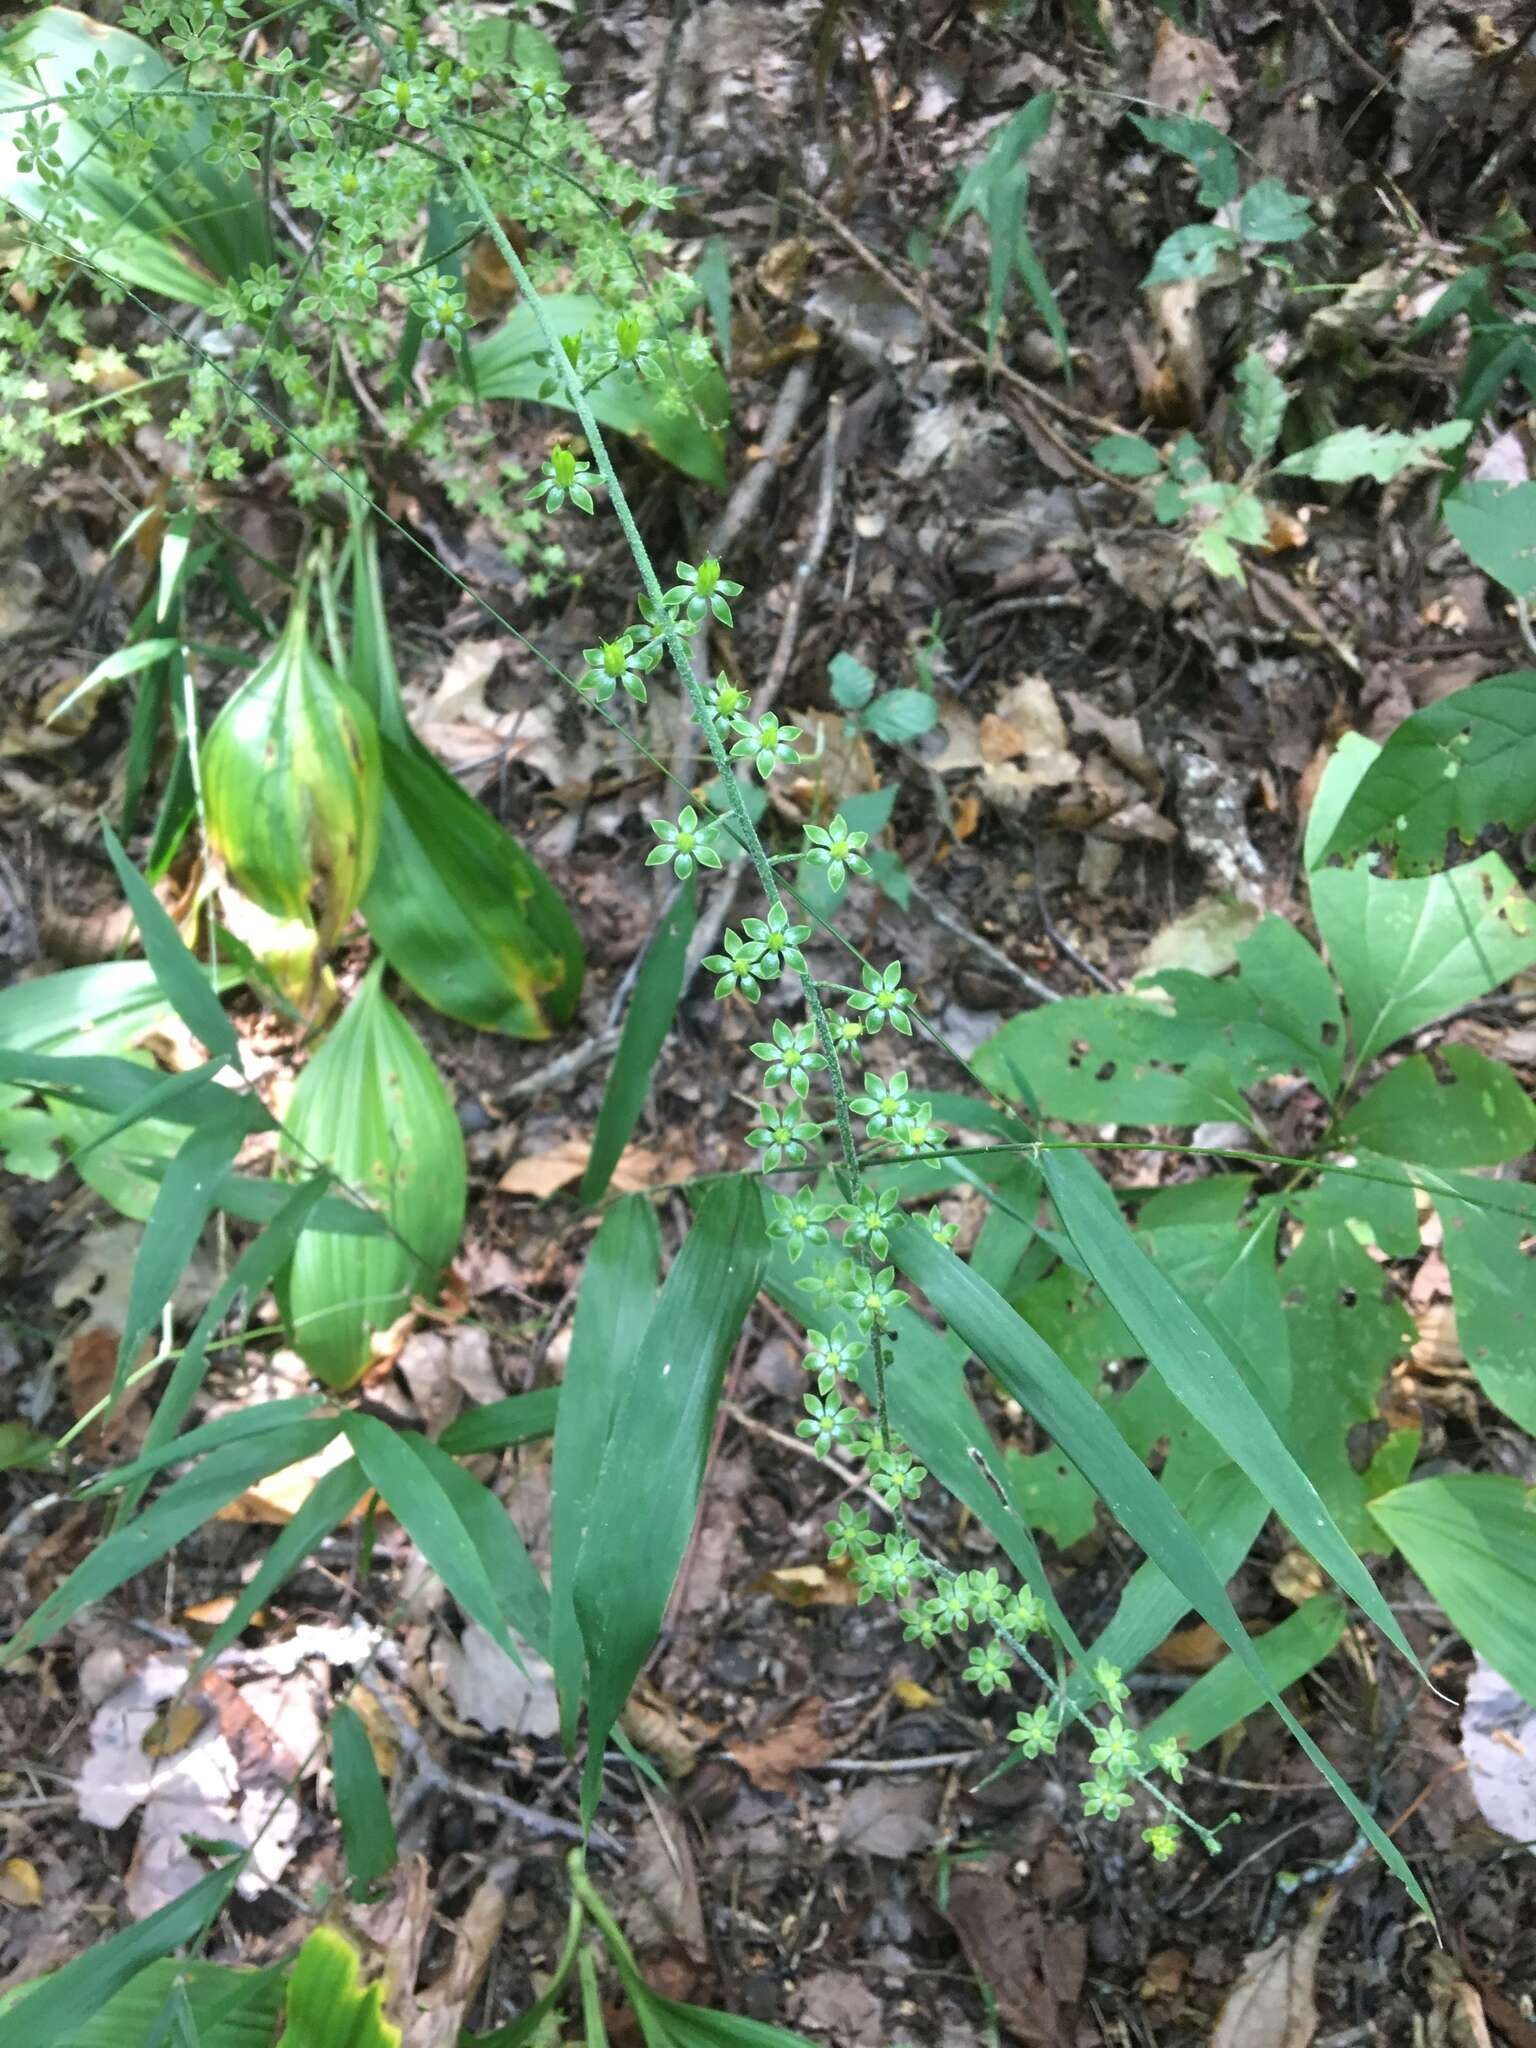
(810, 562)
(940, 912)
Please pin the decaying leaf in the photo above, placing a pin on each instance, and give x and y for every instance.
(796, 1744)
(544, 1173)
(1272, 2005)
(1033, 1969)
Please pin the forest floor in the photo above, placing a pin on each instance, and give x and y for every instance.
(1124, 754)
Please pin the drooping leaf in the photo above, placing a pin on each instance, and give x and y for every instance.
(1472, 1111)
(459, 909)
(229, 2008)
(121, 1169)
(58, 2011)
(663, 1420)
(712, 275)
(1271, 213)
(1471, 1537)
(143, 229)
(1496, 525)
(184, 1506)
(327, 2005)
(1036, 1378)
(362, 1805)
(410, 1483)
(652, 1007)
(1192, 252)
(1112, 1059)
(613, 1310)
(900, 716)
(1460, 765)
(372, 1109)
(1407, 951)
(1227, 1694)
(511, 364)
(183, 980)
(495, 1425)
(1182, 1347)
(1378, 453)
(691, 2026)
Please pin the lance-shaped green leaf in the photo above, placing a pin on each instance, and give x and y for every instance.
(613, 1309)
(1471, 1537)
(495, 1425)
(362, 1805)
(658, 987)
(459, 909)
(1229, 1693)
(662, 1424)
(184, 1506)
(223, 2007)
(1032, 1373)
(1183, 1348)
(183, 979)
(328, 2005)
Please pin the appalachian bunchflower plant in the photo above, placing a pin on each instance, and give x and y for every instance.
(895, 1475)
(918, 1626)
(778, 942)
(849, 1533)
(874, 1298)
(836, 848)
(871, 1219)
(737, 968)
(915, 1134)
(792, 1057)
(883, 1000)
(1106, 1796)
(1027, 1616)
(726, 699)
(989, 1669)
(1163, 1840)
(883, 1103)
(800, 1222)
(894, 1569)
(1170, 1758)
(933, 1222)
(782, 1136)
(846, 1031)
(685, 844)
(1108, 1679)
(563, 476)
(1116, 1751)
(988, 1596)
(614, 662)
(827, 1422)
(702, 591)
(832, 1358)
(950, 1609)
(766, 744)
(1035, 1733)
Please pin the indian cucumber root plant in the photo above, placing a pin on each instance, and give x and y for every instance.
(308, 219)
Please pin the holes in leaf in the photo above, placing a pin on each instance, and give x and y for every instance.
(1347, 1297)
(1106, 1072)
(1330, 1034)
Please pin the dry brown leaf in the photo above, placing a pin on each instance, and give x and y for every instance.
(1165, 1973)
(443, 2004)
(20, 1884)
(666, 1906)
(277, 1498)
(1190, 76)
(1190, 1649)
(1272, 2005)
(664, 1731)
(89, 1371)
(544, 1173)
(796, 1744)
(1034, 1969)
(1296, 1577)
(887, 1818)
(807, 1585)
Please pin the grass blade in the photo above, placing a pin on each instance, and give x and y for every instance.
(658, 988)
(1027, 1367)
(663, 1423)
(497, 1425)
(618, 1292)
(362, 1806)
(236, 1428)
(521, 1595)
(192, 1500)
(184, 981)
(1184, 1350)
(1222, 1697)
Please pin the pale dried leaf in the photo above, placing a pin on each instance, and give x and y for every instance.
(796, 1744)
(1272, 2005)
(544, 1173)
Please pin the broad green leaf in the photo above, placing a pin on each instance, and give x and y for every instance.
(29, 1138)
(462, 913)
(1339, 1311)
(852, 683)
(1183, 1349)
(521, 1595)
(1052, 1495)
(362, 1805)
(690, 2026)
(1407, 951)
(613, 1308)
(1496, 525)
(1493, 1279)
(1471, 1537)
(1126, 455)
(327, 1505)
(125, 1169)
(184, 1506)
(182, 978)
(182, 1206)
(520, 1419)
(1373, 1199)
(511, 364)
(1463, 1109)
(1030, 1371)
(410, 1485)
(327, 2006)
(1203, 147)
(663, 1422)
(900, 715)
(1191, 252)
(652, 1007)
(181, 226)
(115, 1086)
(1378, 453)
(1227, 1694)
(1260, 407)
(230, 2008)
(58, 2011)
(1270, 213)
(1112, 1059)
(1346, 768)
(1459, 766)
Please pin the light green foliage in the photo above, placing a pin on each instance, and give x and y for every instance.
(327, 2005)
(1496, 524)
(997, 191)
(1471, 1537)
(897, 716)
